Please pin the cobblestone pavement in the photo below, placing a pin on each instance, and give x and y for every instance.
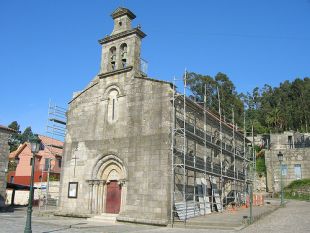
(295, 217)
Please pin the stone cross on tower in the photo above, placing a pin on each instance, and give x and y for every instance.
(121, 49)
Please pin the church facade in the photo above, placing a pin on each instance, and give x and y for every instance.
(116, 155)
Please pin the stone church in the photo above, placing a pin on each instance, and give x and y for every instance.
(136, 148)
(116, 155)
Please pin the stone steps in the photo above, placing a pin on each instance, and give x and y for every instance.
(104, 218)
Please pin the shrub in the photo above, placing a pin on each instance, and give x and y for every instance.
(298, 184)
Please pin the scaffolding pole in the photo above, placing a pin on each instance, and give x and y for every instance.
(253, 159)
(234, 150)
(205, 139)
(172, 155)
(184, 146)
(244, 155)
(221, 146)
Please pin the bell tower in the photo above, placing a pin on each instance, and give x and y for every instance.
(121, 49)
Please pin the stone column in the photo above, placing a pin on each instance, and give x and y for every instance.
(104, 195)
(94, 197)
(123, 184)
(90, 196)
(97, 182)
(101, 195)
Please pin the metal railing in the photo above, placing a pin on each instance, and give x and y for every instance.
(143, 66)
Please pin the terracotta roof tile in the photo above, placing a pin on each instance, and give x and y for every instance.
(52, 147)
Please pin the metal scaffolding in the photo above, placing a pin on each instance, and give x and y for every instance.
(56, 123)
(210, 157)
(56, 129)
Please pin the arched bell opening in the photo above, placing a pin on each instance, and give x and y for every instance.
(123, 55)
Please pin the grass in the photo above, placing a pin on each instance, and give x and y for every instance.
(298, 190)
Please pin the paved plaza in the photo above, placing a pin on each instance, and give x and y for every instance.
(292, 218)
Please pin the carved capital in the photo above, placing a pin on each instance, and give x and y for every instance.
(103, 182)
(90, 182)
(122, 182)
(97, 182)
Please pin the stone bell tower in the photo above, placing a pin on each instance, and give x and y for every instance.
(121, 49)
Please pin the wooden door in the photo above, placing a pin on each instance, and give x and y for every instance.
(113, 201)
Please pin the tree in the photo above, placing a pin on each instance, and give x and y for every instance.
(14, 125)
(17, 138)
(286, 107)
(268, 109)
(27, 134)
(229, 98)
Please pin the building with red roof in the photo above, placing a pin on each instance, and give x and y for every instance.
(47, 160)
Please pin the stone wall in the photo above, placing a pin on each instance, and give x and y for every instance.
(137, 139)
(260, 183)
(289, 140)
(4, 153)
(292, 157)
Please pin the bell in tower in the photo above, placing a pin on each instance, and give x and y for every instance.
(121, 49)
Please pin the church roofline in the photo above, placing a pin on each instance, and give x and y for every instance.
(120, 11)
(86, 89)
(122, 34)
(155, 80)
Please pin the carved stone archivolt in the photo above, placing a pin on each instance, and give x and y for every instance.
(105, 164)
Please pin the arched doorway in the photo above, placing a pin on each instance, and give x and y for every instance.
(110, 196)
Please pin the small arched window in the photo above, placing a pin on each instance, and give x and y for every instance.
(123, 55)
(113, 106)
(112, 57)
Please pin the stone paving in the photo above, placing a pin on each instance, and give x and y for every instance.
(292, 218)
(231, 219)
(295, 217)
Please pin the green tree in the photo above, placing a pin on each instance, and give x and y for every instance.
(15, 138)
(18, 138)
(286, 107)
(268, 109)
(229, 98)
(27, 134)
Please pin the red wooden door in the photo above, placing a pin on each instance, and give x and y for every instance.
(113, 201)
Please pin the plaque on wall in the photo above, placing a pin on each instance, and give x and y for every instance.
(72, 189)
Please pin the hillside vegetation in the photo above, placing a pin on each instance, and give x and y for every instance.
(298, 189)
(269, 109)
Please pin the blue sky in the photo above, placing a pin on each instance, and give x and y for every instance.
(49, 48)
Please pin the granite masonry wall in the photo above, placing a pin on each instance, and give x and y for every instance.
(4, 153)
(137, 139)
(292, 159)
